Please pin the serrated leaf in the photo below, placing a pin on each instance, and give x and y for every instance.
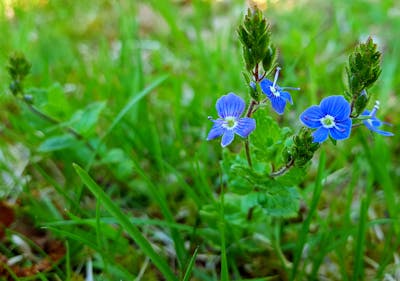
(57, 143)
(236, 182)
(293, 177)
(268, 140)
(241, 179)
(278, 201)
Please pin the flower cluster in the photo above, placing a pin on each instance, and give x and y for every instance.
(230, 107)
(331, 118)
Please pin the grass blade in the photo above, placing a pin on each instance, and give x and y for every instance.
(124, 221)
(159, 196)
(359, 252)
(132, 102)
(306, 225)
(136, 98)
(224, 261)
(190, 265)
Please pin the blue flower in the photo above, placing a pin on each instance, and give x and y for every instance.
(229, 108)
(374, 123)
(331, 117)
(276, 94)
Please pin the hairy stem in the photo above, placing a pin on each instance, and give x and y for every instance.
(248, 157)
(249, 112)
(282, 170)
(255, 73)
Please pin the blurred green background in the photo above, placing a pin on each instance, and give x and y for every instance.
(166, 63)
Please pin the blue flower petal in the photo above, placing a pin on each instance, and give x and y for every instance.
(374, 123)
(383, 133)
(265, 85)
(245, 126)
(216, 131)
(336, 106)
(227, 138)
(286, 96)
(278, 104)
(368, 124)
(320, 135)
(373, 126)
(342, 130)
(311, 117)
(365, 113)
(230, 105)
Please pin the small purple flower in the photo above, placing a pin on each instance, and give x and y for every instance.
(374, 123)
(331, 117)
(229, 108)
(276, 94)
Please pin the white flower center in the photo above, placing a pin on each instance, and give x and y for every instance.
(230, 122)
(328, 121)
(274, 91)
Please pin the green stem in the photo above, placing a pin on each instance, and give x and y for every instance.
(54, 121)
(248, 156)
(249, 112)
(277, 246)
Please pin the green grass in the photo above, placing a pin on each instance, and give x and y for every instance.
(146, 184)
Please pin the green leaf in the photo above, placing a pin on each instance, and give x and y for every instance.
(126, 224)
(363, 68)
(268, 140)
(293, 177)
(302, 148)
(302, 238)
(132, 101)
(85, 120)
(57, 103)
(189, 268)
(269, 61)
(278, 201)
(242, 179)
(58, 143)
(236, 182)
(255, 35)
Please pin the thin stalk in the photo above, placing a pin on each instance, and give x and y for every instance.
(249, 112)
(54, 121)
(248, 156)
(255, 73)
(277, 246)
(353, 101)
(282, 170)
(224, 260)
